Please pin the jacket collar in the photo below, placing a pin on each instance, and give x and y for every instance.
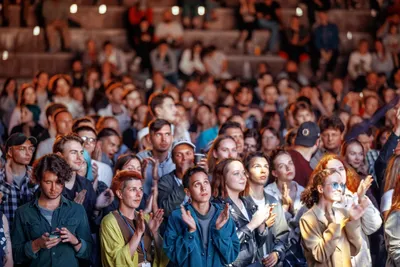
(319, 214)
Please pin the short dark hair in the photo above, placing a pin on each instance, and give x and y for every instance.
(301, 105)
(102, 120)
(332, 122)
(123, 159)
(53, 107)
(189, 173)
(59, 111)
(157, 124)
(76, 123)
(227, 125)
(106, 132)
(84, 128)
(61, 140)
(258, 154)
(52, 163)
(157, 99)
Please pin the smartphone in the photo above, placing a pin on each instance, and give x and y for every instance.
(55, 234)
(198, 158)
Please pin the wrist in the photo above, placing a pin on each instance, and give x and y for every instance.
(192, 230)
(77, 242)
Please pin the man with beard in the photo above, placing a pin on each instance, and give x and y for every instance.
(15, 177)
(78, 188)
(51, 230)
(158, 160)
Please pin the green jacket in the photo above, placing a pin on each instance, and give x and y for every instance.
(30, 224)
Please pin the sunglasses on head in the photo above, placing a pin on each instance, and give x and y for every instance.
(336, 186)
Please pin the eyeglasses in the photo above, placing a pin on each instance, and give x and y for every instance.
(88, 139)
(336, 185)
(25, 149)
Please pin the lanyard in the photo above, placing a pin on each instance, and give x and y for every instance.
(132, 232)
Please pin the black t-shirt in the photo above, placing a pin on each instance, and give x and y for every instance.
(269, 11)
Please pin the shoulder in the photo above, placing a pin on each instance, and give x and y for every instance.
(270, 199)
(108, 219)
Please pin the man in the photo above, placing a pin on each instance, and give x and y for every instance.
(170, 30)
(170, 187)
(89, 137)
(275, 243)
(15, 177)
(115, 57)
(55, 13)
(63, 124)
(305, 145)
(332, 130)
(200, 233)
(109, 141)
(51, 230)
(234, 130)
(115, 107)
(269, 14)
(326, 42)
(78, 188)
(360, 63)
(160, 156)
(164, 60)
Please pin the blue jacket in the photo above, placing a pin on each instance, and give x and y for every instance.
(186, 249)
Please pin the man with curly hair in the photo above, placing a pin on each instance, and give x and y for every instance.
(51, 230)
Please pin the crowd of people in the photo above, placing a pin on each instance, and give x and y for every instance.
(200, 168)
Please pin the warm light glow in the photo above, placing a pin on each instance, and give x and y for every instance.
(349, 35)
(175, 10)
(36, 31)
(201, 10)
(373, 13)
(299, 12)
(73, 8)
(102, 9)
(4, 56)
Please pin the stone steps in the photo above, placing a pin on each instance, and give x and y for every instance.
(22, 39)
(89, 18)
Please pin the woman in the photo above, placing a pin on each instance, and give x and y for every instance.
(391, 177)
(41, 82)
(223, 147)
(27, 97)
(230, 186)
(191, 62)
(392, 230)
(356, 191)
(8, 100)
(284, 188)
(203, 119)
(127, 235)
(382, 60)
(257, 166)
(270, 140)
(323, 220)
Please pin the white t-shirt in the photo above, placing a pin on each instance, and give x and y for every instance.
(174, 29)
(386, 200)
(105, 172)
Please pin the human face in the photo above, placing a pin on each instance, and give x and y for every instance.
(284, 169)
(199, 188)
(235, 177)
(223, 115)
(43, 80)
(22, 154)
(269, 141)
(363, 47)
(133, 165)
(181, 114)
(226, 149)
(250, 145)
(131, 194)
(327, 100)
(110, 145)
(168, 110)
(259, 171)
(26, 115)
(62, 88)
(338, 166)
(64, 123)
(50, 186)
(245, 97)
(142, 113)
(354, 155)
(275, 122)
(133, 100)
(371, 106)
(116, 95)
(366, 142)
(271, 95)
(112, 123)
(90, 140)
(303, 116)
(73, 155)
(329, 192)
(161, 139)
(237, 134)
(183, 156)
(331, 139)
(29, 96)
(77, 94)
(290, 94)
(187, 99)
(203, 115)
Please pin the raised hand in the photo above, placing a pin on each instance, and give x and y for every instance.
(286, 199)
(259, 217)
(271, 220)
(139, 223)
(80, 197)
(363, 187)
(104, 199)
(188, 219)
(155, 167)
(155, 221)
(223, 217)
(357, 211)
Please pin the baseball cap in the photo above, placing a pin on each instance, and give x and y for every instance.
(18, 139)
(307, 134)
(181, 142)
